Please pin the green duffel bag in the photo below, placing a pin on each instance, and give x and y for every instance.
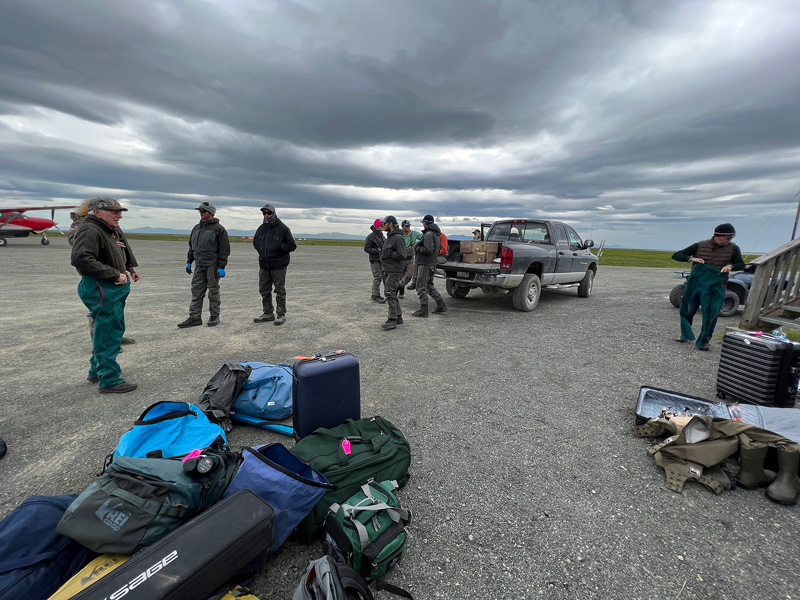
(137, 501)
(349, 456)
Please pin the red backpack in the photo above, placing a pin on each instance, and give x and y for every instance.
(442, 244)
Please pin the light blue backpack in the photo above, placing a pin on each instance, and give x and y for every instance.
(267, 395)
(168, 429)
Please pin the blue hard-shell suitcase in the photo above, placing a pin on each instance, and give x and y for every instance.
(327, 392)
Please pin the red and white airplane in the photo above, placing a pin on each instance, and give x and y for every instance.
(15, 223)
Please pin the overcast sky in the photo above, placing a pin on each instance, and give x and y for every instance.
(642, 123)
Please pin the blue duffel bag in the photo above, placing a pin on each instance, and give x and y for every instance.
(290, 486)
(267, 395)
(35, 560)
(168, 429)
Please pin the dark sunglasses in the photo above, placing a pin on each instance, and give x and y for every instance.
(266, 212)
(203, 211)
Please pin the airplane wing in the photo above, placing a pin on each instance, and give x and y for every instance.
(27, 208)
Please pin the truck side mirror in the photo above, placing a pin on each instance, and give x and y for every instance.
(588, 244)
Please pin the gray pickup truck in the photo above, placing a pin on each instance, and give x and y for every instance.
(532, 254)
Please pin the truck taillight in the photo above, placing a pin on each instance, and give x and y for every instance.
(506, 257)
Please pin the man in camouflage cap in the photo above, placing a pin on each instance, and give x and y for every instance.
(104, 287)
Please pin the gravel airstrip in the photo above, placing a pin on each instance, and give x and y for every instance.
(526, 481)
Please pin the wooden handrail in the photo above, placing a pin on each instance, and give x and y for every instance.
(768, 291)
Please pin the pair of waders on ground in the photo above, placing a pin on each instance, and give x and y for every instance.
(106, 304)
(696, 449)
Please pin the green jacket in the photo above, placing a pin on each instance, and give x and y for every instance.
(411, 238)
(95, 252)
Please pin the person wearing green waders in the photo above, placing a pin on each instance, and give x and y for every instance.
(711, 260)
(104, 287)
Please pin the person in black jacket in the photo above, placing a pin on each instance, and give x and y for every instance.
(273, 242)
(393, 259)
(209, 249)
(372, 246)
(104, 288)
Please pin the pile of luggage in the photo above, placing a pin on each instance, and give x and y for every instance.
(176, 513)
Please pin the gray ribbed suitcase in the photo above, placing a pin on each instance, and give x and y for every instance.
(758, 369)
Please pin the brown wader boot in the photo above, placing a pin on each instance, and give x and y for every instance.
(751, 473)
(785, 488)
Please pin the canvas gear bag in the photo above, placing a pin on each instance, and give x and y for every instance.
(167, 429)
(137, 501)
(290, 486)
(325, 579)
(267, 394)
(368, 531)
(350, 455)
(35, 560)
(217, 398)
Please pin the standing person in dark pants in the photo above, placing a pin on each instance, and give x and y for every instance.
(209, 249)
(712, 260)
(372, 246)
(411, 238)
(393, 258)
(427, 251)
(273, 242)
(104, 287)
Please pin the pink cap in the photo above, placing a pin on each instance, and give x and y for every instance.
(377, 223)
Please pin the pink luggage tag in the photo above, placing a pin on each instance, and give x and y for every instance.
(192, 454)
(346, 446)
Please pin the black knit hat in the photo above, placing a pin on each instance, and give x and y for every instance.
(724, 229)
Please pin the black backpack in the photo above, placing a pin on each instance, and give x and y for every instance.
(221, 391)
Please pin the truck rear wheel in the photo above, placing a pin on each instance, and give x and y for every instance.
(526, 294)
(456, 290)
(676, 295)
(585, 286)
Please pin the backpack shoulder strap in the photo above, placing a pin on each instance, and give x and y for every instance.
(351, 581)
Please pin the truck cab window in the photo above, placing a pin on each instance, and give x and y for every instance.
(499, 232)
(536, 233)
(561, 235)
(575, 242)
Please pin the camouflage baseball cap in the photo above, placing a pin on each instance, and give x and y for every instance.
(105, 204)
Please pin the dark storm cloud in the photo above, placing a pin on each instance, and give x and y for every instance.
(613, 112)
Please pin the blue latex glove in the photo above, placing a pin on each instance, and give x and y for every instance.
(189, 268)
(221, 272)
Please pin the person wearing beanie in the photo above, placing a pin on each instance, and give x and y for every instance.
(372, 246)
(411, 238)
(393, 258)
(103, 289)
(427, 255)
(712, 260)
(273, 242)
(209, 249)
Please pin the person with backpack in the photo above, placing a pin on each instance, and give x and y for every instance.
(103, 289)
(273, 242)
(209, 249)
(410, 237)
(393, 257)
(372, 246)
(427, 251)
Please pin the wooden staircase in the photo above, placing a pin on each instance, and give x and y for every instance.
(771, 302)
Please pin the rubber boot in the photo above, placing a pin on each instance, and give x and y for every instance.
(751, 473)
(785, 488)
(423, 309)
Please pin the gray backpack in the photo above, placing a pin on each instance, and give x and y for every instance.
(325, 579)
